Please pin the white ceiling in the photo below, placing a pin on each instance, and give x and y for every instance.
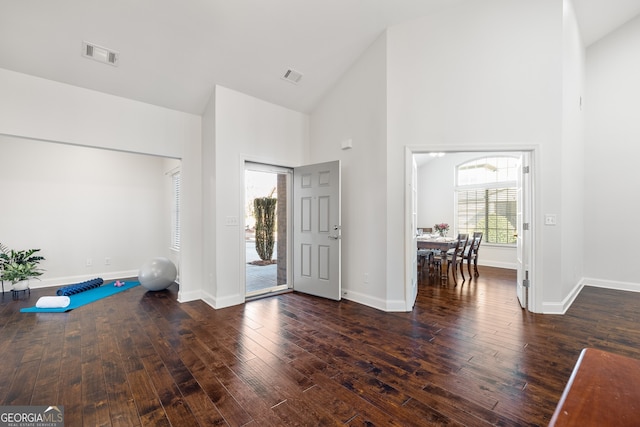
(173, 52)
(597, 18)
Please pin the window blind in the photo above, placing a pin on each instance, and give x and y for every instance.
(490, 210)
(175, 212)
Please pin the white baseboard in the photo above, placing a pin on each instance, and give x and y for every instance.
(497, 264)
(70, 280)
(189, 296)
(377, 303)
(562, 306)
(218, 303)
(612, 284)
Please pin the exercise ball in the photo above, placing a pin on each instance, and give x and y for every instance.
(157, 274)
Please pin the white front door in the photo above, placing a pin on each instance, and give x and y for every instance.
(316, 230)
(523, 206)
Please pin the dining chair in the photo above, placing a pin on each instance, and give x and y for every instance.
(471, 253)
(425, 256)
(429, 258)
(455, 256)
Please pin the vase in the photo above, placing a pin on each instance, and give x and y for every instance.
(21, 285)
(442, 233)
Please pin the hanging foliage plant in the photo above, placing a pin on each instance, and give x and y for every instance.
(264, 209)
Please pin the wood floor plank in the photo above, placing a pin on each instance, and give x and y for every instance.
(467, 354)
(150, 408)
(231, 411)
(122, 409)
(174, 378)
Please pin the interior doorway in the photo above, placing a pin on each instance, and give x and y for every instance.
(521, 258)
(267, 240)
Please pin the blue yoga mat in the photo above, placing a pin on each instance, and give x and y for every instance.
(79, 287)
(84, 298)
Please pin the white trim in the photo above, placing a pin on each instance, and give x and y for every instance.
(563, 306)
(189, 296)
(67, 280)
(498, 264)
(266, 167)
(218, 303)
(256, 164)
(174, 170)
(612, 284)
(374, 302)
(534, 150)
(266, 291)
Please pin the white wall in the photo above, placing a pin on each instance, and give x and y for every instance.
(489, 73)
(572, 153)
(244, 128)
(36, 108)
(208, 290)
(611, 159)
(212, 148)
(486, 74)
(78, 203)
(436, 186)
(356, 109)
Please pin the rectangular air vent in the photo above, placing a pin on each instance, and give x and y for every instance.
(292, 76)
(99, 53)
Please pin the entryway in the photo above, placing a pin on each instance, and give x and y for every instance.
(266, 242)
(523, 248)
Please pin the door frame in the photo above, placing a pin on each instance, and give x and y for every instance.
(533, 196)
(274, 168)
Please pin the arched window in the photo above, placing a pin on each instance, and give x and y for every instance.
(486, 198)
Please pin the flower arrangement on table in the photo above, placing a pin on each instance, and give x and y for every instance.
(441, 228)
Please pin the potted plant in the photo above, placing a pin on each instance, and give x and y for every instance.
(18, 267)
(442, 228)
(265, 213)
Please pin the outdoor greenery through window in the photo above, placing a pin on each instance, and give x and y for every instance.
(486, 198)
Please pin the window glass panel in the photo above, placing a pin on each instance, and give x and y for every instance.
(486, 198)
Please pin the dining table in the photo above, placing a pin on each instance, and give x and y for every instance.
(438, 243)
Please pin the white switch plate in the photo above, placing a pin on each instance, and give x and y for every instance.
(550, 219)
(231, 220)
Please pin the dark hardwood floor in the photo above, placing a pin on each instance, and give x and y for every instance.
(466, 355)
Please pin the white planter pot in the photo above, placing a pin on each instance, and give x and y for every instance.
(21, 285)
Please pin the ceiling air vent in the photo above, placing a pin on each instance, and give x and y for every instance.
(292, 76)
(99, 53)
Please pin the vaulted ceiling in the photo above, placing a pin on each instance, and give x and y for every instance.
(172, 53)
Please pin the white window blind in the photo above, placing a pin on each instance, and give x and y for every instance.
(492, 211)
(175, 212)
(486, 199)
